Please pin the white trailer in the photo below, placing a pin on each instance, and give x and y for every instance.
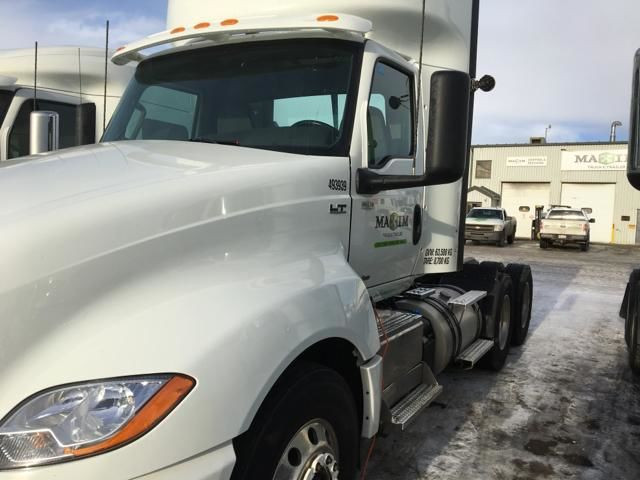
(69, 81)
(260, 269)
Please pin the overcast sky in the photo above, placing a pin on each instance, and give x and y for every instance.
(566, 63)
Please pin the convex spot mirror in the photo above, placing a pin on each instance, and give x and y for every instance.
(446, 152)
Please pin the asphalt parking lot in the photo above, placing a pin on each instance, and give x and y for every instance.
(564, 406)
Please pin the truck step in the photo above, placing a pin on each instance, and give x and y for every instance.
(474, 352)
(468, 298)
(407, 409)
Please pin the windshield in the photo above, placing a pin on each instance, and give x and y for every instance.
(484, 213)
(5, 101)
(566, 214)
(291, 96)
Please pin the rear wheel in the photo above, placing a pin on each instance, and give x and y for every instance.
(544, 244)
(306, 430)
(522, 295)
(500, 311)
(585, 246)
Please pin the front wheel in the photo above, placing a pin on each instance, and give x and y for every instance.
(306, 429)
(502, 241)
(511, 238)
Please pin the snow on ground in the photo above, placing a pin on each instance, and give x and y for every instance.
(564, 406)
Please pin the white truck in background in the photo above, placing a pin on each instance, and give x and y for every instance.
(70, 82)
(490, 225)
(564, 225)
(261, 266)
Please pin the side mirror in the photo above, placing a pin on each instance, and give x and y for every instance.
(592, 220)
(44, 132)
(633, 157)
(446, 153)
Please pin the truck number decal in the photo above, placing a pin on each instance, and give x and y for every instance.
(336, 184)
(437, 256)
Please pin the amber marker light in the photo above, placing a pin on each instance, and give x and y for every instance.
(328, 18)
(228, 22)
(202, 25)
(158, 407)
(177, 30)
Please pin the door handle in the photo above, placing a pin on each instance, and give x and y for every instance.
(417, 224)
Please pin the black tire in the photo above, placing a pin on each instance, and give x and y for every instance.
(585, 246)
(502, 241)
(522, 295)
(544, 244)
(632, 320)
(492, 266)
(305, 393)
(511, 238)
(497, 356)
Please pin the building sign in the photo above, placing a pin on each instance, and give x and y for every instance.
(526, 161)
(600, 160)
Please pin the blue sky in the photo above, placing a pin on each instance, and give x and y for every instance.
(566, 63)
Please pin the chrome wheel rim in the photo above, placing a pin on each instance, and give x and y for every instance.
(311, 454)
(526, 306)
(505, 320)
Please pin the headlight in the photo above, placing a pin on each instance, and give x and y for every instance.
(498, 228)
(74, 421)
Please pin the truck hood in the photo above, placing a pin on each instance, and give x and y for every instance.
(60, 209)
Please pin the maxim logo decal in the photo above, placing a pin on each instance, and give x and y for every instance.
(392, 222)
(605, 158)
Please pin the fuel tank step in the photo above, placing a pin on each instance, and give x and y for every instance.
(474, 352)
(468, 298)
(407, 409)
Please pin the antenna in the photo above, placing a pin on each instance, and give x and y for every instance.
(35, 79)
(419, 108)
(106, 64)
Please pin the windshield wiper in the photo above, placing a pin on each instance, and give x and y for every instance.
(217, 142)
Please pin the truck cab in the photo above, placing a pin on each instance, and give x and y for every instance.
(260, 267)
(69, 82)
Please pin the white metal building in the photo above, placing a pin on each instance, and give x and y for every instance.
(582, 175)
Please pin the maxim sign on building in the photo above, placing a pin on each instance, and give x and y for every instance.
(594, 160)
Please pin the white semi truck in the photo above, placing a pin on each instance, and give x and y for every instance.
(261, 268)
(69, 81)
(630, 309)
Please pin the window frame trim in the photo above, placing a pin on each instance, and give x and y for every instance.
(412, 76)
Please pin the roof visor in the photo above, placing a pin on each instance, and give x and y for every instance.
(222, 28)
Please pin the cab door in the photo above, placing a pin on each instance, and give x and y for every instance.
(386, 227)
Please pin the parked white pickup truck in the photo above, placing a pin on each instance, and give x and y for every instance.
(565, 225)
(490, 225)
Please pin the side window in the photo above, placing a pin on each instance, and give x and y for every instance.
(163, 113)
(19, 136)
(390, 119)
